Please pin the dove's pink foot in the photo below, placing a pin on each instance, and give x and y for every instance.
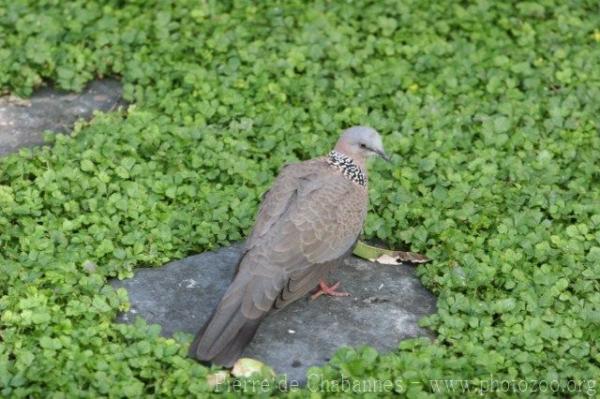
(329, 290)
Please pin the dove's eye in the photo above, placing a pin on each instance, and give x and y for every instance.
(363, 145)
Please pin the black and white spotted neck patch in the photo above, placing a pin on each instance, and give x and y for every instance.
(348, 167)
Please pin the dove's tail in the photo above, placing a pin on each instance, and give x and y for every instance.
(225, 335)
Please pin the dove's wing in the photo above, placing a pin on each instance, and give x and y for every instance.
(310, 218)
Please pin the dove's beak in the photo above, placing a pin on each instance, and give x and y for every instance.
(384, 156)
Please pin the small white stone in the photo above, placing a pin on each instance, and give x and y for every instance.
(189, 283)
(292, 331)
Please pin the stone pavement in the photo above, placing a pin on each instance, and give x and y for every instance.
(24, 121)
(386, 303)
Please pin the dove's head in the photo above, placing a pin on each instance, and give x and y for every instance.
(360, 143)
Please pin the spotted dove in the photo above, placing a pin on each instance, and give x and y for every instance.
(308, 221)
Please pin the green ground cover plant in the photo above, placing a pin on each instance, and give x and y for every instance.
(490, 109)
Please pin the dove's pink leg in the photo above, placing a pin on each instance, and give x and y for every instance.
(329, 290)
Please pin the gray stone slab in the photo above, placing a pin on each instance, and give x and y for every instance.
(23, 121)
(386, 303)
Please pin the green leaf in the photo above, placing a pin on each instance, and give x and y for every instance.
(501, 124)
(87, 165)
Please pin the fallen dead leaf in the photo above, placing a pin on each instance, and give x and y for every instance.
(245, 367)
(387, 256)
